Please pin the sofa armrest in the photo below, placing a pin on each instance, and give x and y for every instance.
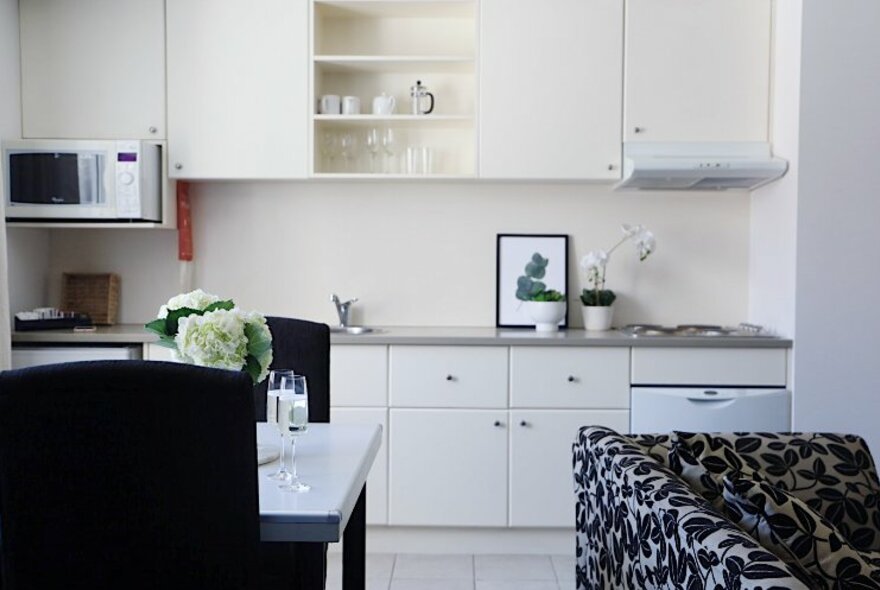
(640, 526)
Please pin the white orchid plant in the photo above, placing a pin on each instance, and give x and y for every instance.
(203, 329)
(596, 262)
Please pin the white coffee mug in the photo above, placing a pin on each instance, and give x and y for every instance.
(351, 105)
(330, 104)
(383, 105)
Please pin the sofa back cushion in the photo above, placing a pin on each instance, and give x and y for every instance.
(703, 461)
(798, 535)
(833, 474)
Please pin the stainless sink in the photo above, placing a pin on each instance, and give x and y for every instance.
(352, 330)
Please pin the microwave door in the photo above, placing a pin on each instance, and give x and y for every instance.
(45, 178)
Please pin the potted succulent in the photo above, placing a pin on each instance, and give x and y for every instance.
(546, 306)
(597, 310)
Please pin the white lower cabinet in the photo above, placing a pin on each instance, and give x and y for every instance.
(448, 468)
(377, 482)
(541, 477)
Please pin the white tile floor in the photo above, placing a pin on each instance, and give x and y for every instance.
(405, 571)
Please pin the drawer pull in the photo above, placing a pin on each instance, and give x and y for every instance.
(498, 424)
(572, 379)
(450, 378)
(523, 423)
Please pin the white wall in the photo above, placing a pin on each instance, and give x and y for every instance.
(10, 126)
(773, 231)
(837, 373)
(423, 254)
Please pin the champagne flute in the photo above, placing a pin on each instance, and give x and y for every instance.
(373, 146)
(388, 148)
(278, 380)
(293, 419)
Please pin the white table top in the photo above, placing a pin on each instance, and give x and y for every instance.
(335, 460)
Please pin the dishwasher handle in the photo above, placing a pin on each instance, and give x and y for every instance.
(710, 395)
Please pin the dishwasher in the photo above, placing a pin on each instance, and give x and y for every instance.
(710, 388)
(716, 409)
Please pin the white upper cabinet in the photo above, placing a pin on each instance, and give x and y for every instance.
(697, 70)
(93, 69)
(238, 89)
(550, 89)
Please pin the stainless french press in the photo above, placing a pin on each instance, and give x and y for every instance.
(418, 95)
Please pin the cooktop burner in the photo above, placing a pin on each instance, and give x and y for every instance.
(695, 330)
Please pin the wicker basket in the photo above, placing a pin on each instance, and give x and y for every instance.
(94, 294)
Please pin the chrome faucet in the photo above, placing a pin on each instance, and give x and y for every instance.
(342, 309)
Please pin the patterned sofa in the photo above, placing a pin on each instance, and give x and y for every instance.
(640, 525)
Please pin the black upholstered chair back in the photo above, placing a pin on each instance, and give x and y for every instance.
(127, 474)
(304, 347)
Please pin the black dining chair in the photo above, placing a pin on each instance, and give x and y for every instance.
(127, 474)
(303, 346)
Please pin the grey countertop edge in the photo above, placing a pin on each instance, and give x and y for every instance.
(436, 336)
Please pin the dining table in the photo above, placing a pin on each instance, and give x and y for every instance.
(334, 459)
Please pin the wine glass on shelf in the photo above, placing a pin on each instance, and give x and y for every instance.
(388, 148)
(278, 380)
(329, 149)
(348, 143)
(293, 420)
(373, 146)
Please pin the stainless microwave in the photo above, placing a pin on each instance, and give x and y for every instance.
(82, 180)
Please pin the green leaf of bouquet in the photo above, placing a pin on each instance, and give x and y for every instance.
(252, 368)
(167, 342)
(157, 326)
(175, 314)
(258, 343)
(226, 304)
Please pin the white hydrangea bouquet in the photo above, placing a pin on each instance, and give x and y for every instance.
(204, 330)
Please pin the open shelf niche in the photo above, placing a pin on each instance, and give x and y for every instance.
(367, 48)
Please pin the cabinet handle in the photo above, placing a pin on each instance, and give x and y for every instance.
(450, 378)
(178, 166)
(498, 424)
(572, 379)
(611, 166)
(153, 130)
(638, 129)
(523, 423)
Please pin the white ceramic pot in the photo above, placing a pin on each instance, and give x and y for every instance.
(597, 317)
(546, 314)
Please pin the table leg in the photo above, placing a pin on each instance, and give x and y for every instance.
(354, 546)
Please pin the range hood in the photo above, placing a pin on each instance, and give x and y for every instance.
(699, 166)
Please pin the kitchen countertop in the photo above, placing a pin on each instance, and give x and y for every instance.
(441, 336)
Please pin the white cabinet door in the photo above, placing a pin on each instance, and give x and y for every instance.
(154, 352)
(541, 477)
(448, 376)
(377, 481)
(93, 69)
(572, 377)
(448, 468)
(359, 375)
(238, 89)
(697, 70)
(550, 88)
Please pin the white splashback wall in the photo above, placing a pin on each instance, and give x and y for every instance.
(422, 254)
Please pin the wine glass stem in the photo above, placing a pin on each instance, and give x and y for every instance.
(282, 454)
(293, 458)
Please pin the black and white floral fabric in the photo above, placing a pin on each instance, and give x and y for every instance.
(800, 536)
(833, 474)
(640, 526)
